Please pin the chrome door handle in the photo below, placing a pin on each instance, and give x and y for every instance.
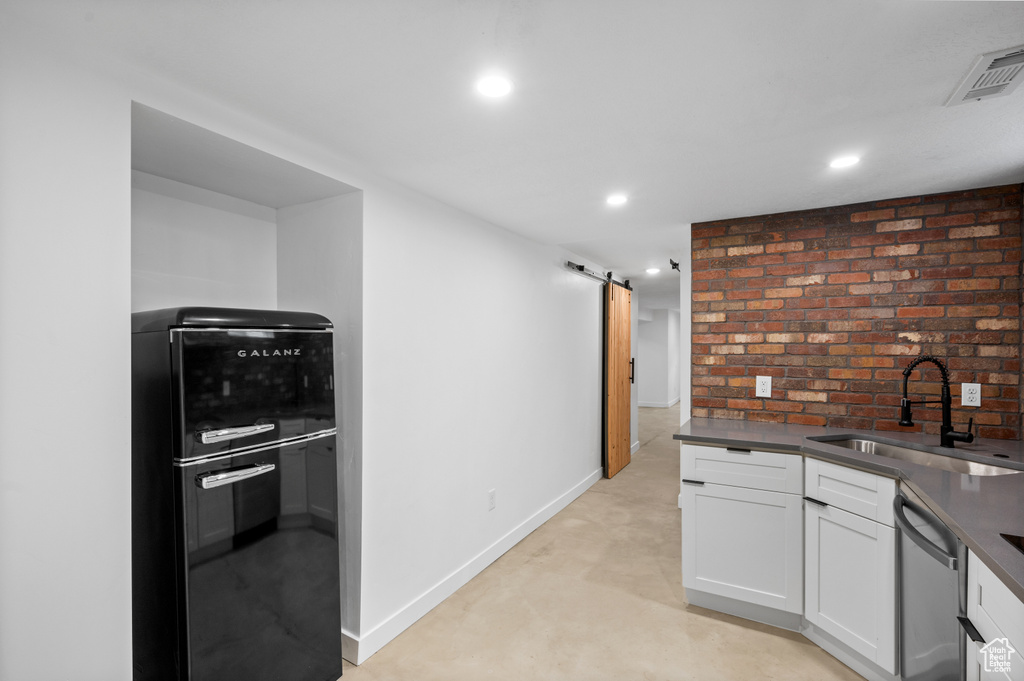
(211, 436)
(233, 475)
(936, 552)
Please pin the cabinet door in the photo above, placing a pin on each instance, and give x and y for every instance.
(744, 544)
(850, 581)
(999, 618)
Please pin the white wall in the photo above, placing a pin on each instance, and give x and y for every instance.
(481, 370)
(65, 198)
(482, 356)
(658, 361)
(191, 246)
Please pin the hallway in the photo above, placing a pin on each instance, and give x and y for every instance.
(596, 593)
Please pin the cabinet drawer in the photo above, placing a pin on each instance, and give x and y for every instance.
(741, 468)
(865, 494)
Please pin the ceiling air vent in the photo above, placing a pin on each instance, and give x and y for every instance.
(994, 74)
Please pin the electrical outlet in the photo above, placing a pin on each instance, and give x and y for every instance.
(763, 386)
(491, 501)
(970, 394)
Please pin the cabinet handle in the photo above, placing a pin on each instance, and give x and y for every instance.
(971, 630)
(693, 482)
(737, 450)
(816, 502)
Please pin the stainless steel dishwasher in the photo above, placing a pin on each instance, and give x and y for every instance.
(932, 574)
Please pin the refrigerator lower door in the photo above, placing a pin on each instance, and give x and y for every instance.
(263, 596)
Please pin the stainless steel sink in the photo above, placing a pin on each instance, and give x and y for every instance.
(920, 457)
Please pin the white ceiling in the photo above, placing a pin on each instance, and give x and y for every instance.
(699, 109)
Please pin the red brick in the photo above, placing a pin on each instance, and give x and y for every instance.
(793, 292)
(773, 304)
(711, 295)
(890, 251)
(869, 289)
(950, 220)
(849, 254)
(850, 301)
(728, 241)
(974, 311)
(767, 349)
(947, 272)
(973, 205)
(746, 272)
(973, 284)
(785, 247)
(745, 404)
(743, 294)
(849, 278)
(1012, 215)
(709, 253)
(706, 232)
(872, 240)
(1005, 243)
(920, 312)
(806, 420)
(873, 215)
(766, 260)
(920, 211)
(898, 225)
(975, 232)
(806, 256)
(745, 250)
(921, 235)
(828, 338)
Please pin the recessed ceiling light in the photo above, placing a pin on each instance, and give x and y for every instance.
(653, 270)
(494, 85)
(845, 162)
(616, 199)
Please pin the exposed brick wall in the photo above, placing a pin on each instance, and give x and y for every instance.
(833, 303)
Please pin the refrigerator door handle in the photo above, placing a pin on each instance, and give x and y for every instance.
(231, 476)
(211, 436)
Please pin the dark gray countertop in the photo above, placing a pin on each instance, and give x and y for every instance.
(976, 508)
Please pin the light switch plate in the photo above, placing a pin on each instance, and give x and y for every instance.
(970, 394)
(763, 386)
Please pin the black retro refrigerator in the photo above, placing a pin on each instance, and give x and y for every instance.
(234, 497)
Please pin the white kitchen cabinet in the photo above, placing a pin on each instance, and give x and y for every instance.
(999, 617)
(850, 559)
(742, 530)
(744, 544)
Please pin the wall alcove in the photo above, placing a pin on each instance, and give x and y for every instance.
(216, 222)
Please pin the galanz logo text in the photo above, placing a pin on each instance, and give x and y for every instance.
(290, 352)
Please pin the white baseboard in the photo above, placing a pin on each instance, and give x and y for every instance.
(659, 405)
(635, 446)
(358, 649)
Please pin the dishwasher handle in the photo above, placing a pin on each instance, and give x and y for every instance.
(936, 552)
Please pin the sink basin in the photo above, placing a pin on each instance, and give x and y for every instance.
(920, 457)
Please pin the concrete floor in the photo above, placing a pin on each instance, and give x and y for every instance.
(596, 593)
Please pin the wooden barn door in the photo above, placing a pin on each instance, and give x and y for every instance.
(617, 374)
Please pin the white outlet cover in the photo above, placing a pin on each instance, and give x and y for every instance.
(970, 394)
(763, 386)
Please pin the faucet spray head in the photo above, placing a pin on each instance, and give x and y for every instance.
(906, 418)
